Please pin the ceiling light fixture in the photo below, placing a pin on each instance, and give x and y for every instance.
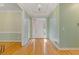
(39, 7)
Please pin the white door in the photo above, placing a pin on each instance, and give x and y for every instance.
(39, 28)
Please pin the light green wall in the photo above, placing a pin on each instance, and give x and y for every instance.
(53, 28)
(67, 16)
(10, 25)
(10, 36)
(10, 21)
(69, 30)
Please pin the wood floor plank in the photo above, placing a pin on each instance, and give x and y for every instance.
(15, 48)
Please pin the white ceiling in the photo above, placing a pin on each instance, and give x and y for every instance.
(33, 9)
(38, 9)
(9, 7)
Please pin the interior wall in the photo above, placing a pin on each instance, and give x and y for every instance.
(54, 25)
(69, 27)
(64, 25)
(25, 29)
(10, 25)
(10, 22)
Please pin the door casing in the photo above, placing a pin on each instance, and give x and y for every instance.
(31, 27)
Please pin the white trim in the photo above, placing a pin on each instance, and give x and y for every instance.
(10, 40)
(9, 32)
(69, 48)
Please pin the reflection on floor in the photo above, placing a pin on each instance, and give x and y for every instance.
(35, 47)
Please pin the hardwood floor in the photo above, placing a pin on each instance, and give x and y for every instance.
(35, 47)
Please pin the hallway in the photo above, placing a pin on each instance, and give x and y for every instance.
(37, 28)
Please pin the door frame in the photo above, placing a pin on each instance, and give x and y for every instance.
(47, 30)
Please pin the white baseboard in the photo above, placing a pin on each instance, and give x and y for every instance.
(69, 48)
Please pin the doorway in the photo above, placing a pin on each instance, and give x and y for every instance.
(39, 35)
(39, 28)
